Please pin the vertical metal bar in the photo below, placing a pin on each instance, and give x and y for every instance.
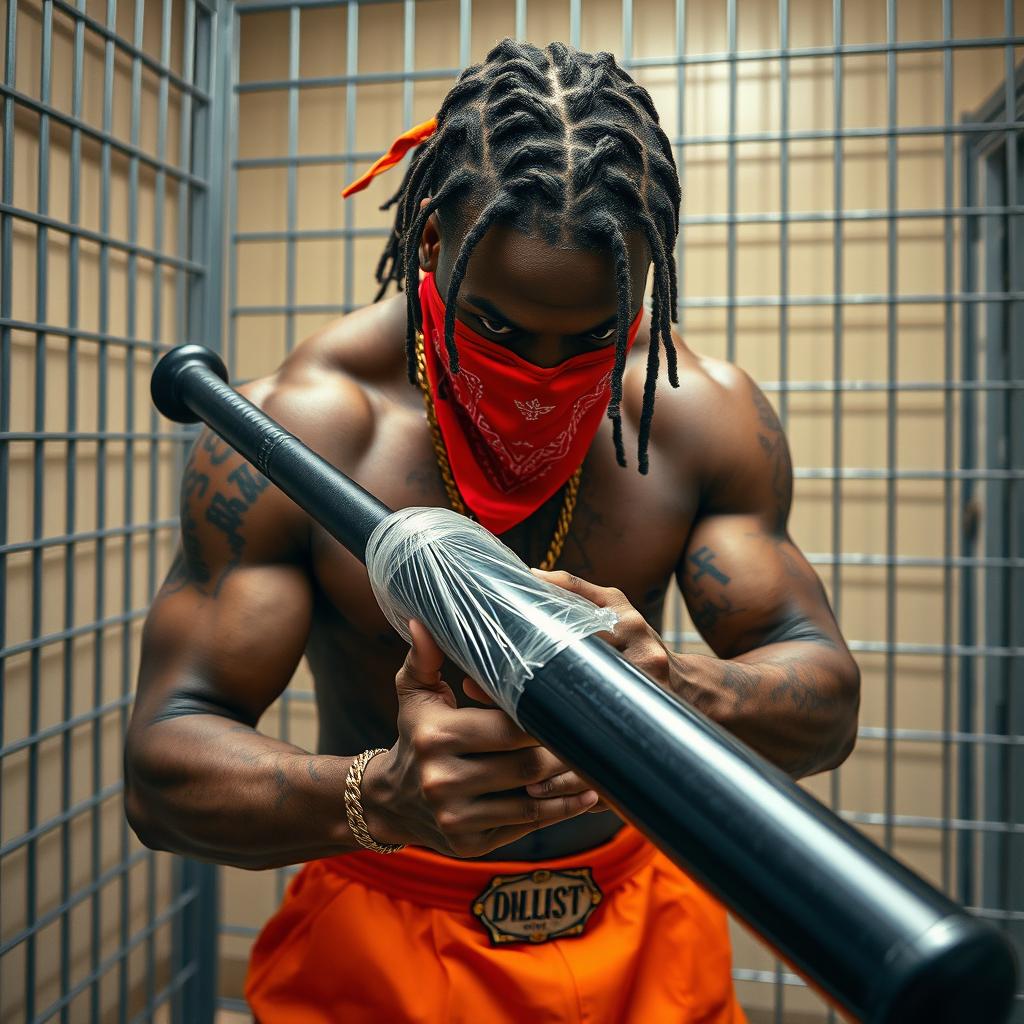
(947, 444)
(408, 60)
(627, 29)
(783, 394)
(575, 17)
(232, 99)
(520, 20)
(182, 277)
(70, 501)
(128, 506)
(836, 502)
(6, 305)
(680, 29)
(730, 272)
(294, 42)
(890, 431)
(351, 67)
(156, 331)
(99, 661)
(38, 498)
(465, 31)
(968, 592)
(1008, 863)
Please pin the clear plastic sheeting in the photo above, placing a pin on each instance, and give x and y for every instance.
(485, 608)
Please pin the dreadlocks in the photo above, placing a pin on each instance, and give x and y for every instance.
(529, 133)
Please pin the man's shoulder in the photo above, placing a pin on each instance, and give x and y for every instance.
(332, 390)
(715, 407)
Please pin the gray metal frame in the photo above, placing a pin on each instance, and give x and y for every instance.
(195, 266)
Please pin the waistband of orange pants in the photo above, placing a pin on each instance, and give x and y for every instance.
(433, 880)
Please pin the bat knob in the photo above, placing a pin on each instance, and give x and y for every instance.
(170, 373)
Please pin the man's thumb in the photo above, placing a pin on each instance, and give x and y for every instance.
(421, 673)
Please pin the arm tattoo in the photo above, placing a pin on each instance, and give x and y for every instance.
(225, 510)
(707, 601)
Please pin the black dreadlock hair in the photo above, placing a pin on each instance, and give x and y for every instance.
(529, 133)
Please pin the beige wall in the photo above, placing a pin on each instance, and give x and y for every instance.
(248, 900)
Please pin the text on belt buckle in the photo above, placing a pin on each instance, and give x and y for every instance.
(538, 905)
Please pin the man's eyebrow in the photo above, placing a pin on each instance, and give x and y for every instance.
(492, 311)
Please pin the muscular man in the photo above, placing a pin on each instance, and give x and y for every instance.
(527, 224)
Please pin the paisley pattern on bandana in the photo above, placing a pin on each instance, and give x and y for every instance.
(514, 432)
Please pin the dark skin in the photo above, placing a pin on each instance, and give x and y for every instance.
(257, 585)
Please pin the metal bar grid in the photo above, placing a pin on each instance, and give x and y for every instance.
(96, 649)
(956, 296)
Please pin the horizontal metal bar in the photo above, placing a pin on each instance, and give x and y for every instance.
(66, 726)
(80, 895)
(846, 216)
(60, 540)
(872, 732)
(133, 51)
(97, 798)
(66, 634)
(310, 234)
(916, 561)
(855, 473)
(241, 930)
(770, 977)
(832, 134)
(78, 334)
(925, 821)
(361, 78)
(881, 299)
(173, 908)
(675, 638)
(312, 159)
(101, 239)
(94, 435)
(233, 1005)
(868, 386)
(995, 914)
(99, 135)
(263, 6)
(296, 308)
(840, 50)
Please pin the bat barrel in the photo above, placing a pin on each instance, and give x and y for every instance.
(875, 938)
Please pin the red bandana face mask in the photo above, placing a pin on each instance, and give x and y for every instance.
(514, 432)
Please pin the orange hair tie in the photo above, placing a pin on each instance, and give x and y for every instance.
(406, 141)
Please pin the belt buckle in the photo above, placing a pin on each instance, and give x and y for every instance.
(537, 906)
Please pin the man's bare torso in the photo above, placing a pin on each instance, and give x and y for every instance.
(628, 531)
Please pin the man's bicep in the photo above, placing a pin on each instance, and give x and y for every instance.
(230, 622)
(746, 587)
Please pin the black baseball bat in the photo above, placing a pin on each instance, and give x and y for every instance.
(876, 939)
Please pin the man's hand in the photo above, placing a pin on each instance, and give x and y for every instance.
(454, 780)
(633, 637)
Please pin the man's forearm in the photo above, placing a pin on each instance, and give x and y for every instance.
(794, 702)
(207, 787)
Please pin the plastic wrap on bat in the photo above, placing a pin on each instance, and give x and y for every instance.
(485, 608)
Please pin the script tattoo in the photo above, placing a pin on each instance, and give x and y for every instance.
(226, 505)
(707, 601)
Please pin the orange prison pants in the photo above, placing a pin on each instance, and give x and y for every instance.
(371, 939)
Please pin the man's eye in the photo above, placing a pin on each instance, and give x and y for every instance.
(605, 335)
(494, 328)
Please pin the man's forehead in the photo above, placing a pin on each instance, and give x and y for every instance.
(524, 270)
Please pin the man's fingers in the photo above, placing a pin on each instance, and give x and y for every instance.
(421, 672)
(524, 810)
(474, 691)
(564, 784)
(601, 596)
(486, 731)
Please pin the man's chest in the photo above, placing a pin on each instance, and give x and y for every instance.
(626, 530)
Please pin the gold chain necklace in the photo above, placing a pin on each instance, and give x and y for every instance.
(572, 486)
